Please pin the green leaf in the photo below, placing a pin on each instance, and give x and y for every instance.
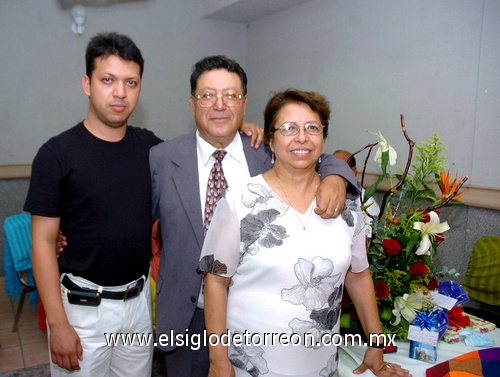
(426, 194)
(371, 190)
(385, 162)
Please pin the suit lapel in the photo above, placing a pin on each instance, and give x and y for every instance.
(186, 178)
(186, 181)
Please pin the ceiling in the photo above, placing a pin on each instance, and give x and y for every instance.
(244, 11)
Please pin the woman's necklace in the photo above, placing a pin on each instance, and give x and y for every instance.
(291, 206)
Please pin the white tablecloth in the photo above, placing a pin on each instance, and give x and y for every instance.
(351, 356)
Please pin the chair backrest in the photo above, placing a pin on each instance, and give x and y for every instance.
(18, 240)
(482, 279)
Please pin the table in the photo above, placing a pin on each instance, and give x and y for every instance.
(351, 356)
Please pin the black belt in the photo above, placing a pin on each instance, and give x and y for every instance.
(133, 290)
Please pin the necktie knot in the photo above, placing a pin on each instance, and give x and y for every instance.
(219, 154)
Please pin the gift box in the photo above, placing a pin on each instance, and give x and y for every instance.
(424, 334)
(476, 324)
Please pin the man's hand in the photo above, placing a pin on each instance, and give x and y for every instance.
(65, 347)
(64, 343)
(330, 198)
(255, 133)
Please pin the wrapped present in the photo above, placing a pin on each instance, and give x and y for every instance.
(480, 325)
(475, 324)
(424, 333)
(454, 290)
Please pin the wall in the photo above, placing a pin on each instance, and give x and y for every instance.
(43, 64)
(436, 62)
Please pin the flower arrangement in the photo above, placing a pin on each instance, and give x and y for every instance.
(407, 232)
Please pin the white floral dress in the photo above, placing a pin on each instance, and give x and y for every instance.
(285, 279)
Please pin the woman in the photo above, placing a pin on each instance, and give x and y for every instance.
(285, 266)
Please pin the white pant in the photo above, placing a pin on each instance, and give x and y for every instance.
(110, 317)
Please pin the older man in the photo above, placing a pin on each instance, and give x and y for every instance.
(180, 170)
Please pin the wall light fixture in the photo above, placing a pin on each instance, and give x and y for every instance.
(79, 13)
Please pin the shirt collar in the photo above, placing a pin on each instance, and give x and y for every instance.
(234, 149)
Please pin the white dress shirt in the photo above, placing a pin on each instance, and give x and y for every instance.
(234, 165)
(235, 169)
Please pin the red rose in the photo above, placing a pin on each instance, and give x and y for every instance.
(391, 247)
(381, 289)
(433, 284)
(418, 269)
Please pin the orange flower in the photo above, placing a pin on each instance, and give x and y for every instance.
(450, 185)
(391, 219)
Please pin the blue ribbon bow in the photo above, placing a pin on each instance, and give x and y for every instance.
(432, 320)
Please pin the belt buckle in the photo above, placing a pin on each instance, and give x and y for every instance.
(133, 290)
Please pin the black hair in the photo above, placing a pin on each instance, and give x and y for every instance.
(106, 44)
(217, 62)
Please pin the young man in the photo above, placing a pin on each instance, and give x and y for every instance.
(180, 169)
(92, 182)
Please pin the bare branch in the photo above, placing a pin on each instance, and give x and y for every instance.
(411, 145)
(366, 159)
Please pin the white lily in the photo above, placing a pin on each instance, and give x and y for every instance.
(429, 231)
(407, 306)
(384, 147)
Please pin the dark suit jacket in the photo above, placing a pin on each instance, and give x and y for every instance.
(176, 200)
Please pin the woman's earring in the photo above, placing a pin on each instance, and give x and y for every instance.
(319, 160)
(272, 158)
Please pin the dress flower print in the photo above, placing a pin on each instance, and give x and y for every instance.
(249, 358)
(319, 285)
(317, 288)
(257, 227)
